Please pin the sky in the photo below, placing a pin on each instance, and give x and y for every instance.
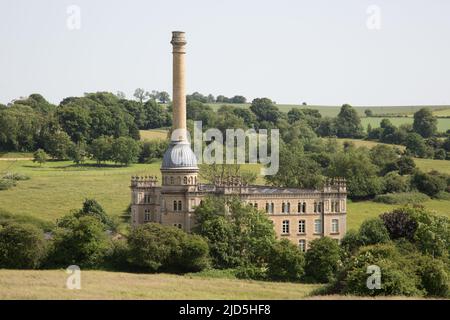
(393, 52)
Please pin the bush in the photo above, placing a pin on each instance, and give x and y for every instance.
(394, 182)
(373, 231)
(6, 184)
(16, 176)
(79, 241)
(22, 246)
(251, 272)
(92, 208)
(351, 242)
(154, 247)
(434, 278)
(286, 262)
(397, 273)
(402, 198)
(400, 223)
(428, 184)
(322, 260)
(117, 256)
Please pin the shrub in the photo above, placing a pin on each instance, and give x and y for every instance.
(80, 241)
(16, 176)
(251, 272)
(6, 184)
(92, 208)
(434, 278)
(400, 223)
(351, 242)
(117, 256)
(398, 275)
(402, 198)
(428, 184)
(286, 262)
(394, 182)
(322, 260)
(154, 247)
(22, 246)
(373, 231)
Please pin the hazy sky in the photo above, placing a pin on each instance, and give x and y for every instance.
(321, 52)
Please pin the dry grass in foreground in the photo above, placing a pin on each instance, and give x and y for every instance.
(50, 284)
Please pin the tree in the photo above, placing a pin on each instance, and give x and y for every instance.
(322, 260)
(428, 184)
(237, 234)
(101, 149)
(416, 146)
(75, 120)
(286, 262)
(81, 241)
(348, 123)
(400, 223)
(405, 165)
(163, 97)
(22, 246)
(78, 152)
(425, 123)
(368, 113)
(394, 182)
(373, 231)
(383, 156)
(40, 157)
(92, 208)
(434, 277)
(265, 110)
(141, 95)
(154, 247)
(125, 150)
(297, 169)
(58, 145)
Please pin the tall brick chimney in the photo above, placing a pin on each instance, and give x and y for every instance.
(179, 90)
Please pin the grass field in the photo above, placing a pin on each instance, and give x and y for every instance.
(367, 144)
(153, 134)
(51, 284)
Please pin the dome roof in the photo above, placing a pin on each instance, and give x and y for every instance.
(179, 155)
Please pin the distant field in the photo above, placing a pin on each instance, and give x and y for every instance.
(333, 111)
(442, 125)
(15, 155)
(51, 284)
(153, 134)
(442, 113)
(368, 144)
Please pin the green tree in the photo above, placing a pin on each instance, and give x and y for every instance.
(125, 150)
(93, 209)
(22, 246)
(101, 149)
(425, 123)
(348, 123)
(78, 152)
(40, 157)
(373, 231)
(80, 241)
(400, 223)
(265, 110)
(286, 262)
(427, 183)
(322, 260)
(58, 145)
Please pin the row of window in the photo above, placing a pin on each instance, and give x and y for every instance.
(301, 207)
(285, 226)
(186, 180)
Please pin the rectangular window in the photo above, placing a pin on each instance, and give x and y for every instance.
(301, 226)
(285, 229)
(180, 207)
(335, 226)
(302, 245)
(317, 226)
(147, 215)
(174, 206)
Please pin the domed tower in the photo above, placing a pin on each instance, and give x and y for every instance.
(179, 166)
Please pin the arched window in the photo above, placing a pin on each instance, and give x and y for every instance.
(315, 206)
(171, 180)
(299, 207)
(174, 205)
(185, 180)
(272, 208)
(283, 207)
(304, 207)
(289, 207)
(180, 206)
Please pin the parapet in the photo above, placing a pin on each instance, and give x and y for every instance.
(143, 181)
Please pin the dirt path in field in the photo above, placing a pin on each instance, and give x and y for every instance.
(15, 159)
